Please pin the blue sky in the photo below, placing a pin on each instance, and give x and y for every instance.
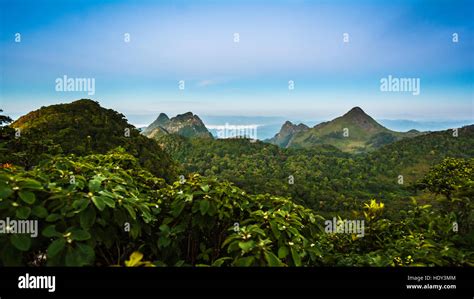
(285, 40)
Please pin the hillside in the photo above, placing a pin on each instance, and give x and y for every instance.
(278, 199)
(187, 125)
(287, 131)
(354, 132)
(323, 176)
(83, 127)
(412, 157)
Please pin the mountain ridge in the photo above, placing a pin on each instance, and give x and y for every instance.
(355, 132)
(186, 124)
(287, 131)
(84, 127)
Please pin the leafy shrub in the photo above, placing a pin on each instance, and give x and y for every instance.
(82, 205)
(103, 209)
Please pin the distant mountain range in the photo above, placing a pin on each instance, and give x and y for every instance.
(187, 125)
(404, 125)
(355, 132)
(268, 126)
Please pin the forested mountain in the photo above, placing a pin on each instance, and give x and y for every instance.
(412, 157)
(353, 132)
(104, 194)
(287, 131)
(160, 122)
(322, 175)
(82, 127)
(187, 124)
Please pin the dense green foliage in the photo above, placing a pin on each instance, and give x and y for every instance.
(112, 207)
(323, 177)
(70, 197)
(81, 128)
(117, 200)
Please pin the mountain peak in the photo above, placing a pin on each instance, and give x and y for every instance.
(287, 131)
(355, 131)
(162, 117)
(186, 124)
(356, 111)
(188, 117)
(185, 115)
(357, 116)
(161, 121)
(85, 101)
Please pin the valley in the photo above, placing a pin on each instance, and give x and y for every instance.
(174, 193)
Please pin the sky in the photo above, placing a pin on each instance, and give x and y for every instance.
(237, 57)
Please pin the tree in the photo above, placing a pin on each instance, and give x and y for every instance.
(4, 119)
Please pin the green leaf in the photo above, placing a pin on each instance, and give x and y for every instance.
(220, 261)
(81, 255)
(56, 247)
(5, 190)
(108, 201)
(131, 211)
(99, 202)
(163, 242)
(204, 206)
(135, 230)
(80, 204)
(212, 209)
(72, 259)
(164, 228)
(283, 252)
(272, 259)
(244, 261)
(176, 207)
(87, 217)
(274, 228)
(87, 252)
(39, 211)
(23, 212)
(80, 235)
(107, 193)
(247, 246)
(296, 257)
(30, 184)
(53, 217)
(179, 263)
(50, 231)
(27, 196)
(21, 241)
(94, 185)
(205, 188)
